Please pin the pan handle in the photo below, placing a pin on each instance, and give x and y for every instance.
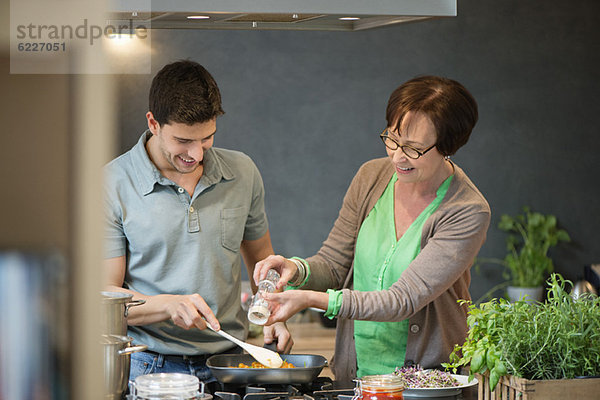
(271, 346)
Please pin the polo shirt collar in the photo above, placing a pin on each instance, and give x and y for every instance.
(215, 167)
(146, 172)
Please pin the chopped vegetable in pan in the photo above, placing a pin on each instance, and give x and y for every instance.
(256, 364)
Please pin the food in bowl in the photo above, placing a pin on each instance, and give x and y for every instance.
(418, 378)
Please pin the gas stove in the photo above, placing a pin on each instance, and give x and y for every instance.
(322, 388)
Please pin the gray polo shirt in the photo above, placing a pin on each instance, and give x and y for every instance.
(177, 244)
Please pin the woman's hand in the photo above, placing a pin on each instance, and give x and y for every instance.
(286, 304)
(287, 270)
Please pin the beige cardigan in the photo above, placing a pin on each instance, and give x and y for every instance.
(427, 292)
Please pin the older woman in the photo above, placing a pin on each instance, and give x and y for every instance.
(399, 255)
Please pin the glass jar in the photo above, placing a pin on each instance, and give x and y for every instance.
(259, 312)
(166, 386)
(379, 387)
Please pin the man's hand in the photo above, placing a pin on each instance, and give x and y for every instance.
(278, 331)
(188, 311)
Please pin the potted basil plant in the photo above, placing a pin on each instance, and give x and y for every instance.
(527, 264)
(535, 351)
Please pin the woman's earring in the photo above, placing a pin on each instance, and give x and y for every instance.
(446, 157)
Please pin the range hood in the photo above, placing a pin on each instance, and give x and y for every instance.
(336, 15)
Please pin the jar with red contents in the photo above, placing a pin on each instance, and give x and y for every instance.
(379, 387)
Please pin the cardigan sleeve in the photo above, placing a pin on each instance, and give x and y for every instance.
(330, 266)
(448, 253)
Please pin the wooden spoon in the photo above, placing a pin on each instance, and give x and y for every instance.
(266, 357)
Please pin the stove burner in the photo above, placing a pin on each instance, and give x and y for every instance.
(334, 394)
(267, 395)
(227, 396)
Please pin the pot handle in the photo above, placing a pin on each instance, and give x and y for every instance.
(133, 304)
(132, 349)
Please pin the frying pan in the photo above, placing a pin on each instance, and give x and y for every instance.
(224, 368)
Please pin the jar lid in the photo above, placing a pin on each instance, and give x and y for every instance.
(167, 384)
(389, 381)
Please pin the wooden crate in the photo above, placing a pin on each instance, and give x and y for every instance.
(513, 388)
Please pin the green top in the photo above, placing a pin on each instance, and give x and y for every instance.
(379, 260)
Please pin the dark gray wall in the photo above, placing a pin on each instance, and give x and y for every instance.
(308, 107)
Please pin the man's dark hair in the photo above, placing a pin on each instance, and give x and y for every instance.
(184, 92)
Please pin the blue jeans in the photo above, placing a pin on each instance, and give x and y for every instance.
(143, 363)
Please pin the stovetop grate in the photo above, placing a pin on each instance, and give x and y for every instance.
(321, 389)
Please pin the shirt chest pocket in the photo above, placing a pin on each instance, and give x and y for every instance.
(233, 222)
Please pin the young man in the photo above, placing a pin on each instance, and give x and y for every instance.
(179, 213)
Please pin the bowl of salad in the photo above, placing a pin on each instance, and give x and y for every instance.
(419, 382)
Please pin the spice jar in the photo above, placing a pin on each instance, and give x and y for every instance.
(259, 312)
(379, 387)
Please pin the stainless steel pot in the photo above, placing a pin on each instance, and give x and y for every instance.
(117, 357)
(115, 307)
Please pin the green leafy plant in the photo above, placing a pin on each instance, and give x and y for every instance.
(531, 235)
(557, 339)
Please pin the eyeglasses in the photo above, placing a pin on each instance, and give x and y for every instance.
(409, 151)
